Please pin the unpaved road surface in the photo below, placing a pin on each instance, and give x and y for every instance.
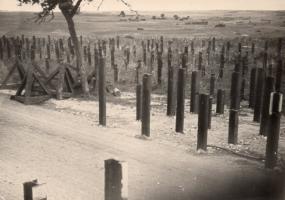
(67, 150)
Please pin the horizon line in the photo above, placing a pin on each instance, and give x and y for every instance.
(155, 10)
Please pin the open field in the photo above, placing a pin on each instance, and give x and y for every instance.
(238, 23)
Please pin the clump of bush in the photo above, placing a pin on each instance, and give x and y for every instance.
(176, 17)
(137, 19)
(122, 14)
(200, 23)
(162, 17)
(220, 25)
(184, 18)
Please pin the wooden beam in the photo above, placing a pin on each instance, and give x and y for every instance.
(8, 76)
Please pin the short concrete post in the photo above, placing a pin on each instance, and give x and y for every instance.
(210, 112)
(180, 101)
(159, 67)
(116, 180)
(220, 101)
(28, 189)
(252, 89)
(170, 96)
(273, 129)
(259, 94)
(234, 110)
(146, 107)
(116, 73)
(195, 79)
(268, 89)
(101, 91)
(212, 85)
(203, 122)
(138, 102)
(1, 49)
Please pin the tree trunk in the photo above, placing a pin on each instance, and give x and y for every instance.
(73, 35)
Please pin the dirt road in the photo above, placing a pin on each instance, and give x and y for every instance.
(67, 151)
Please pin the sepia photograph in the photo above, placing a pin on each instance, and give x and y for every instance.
(142, 100)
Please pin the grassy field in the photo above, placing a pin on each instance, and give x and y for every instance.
(238, 23)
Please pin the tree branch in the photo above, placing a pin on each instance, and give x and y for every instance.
(129, 6)
(75, 8)
(46, 12)
(100, 4)
(122, 1)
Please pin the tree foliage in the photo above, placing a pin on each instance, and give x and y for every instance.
(48, 7)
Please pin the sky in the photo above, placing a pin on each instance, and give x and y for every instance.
(164, 5)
